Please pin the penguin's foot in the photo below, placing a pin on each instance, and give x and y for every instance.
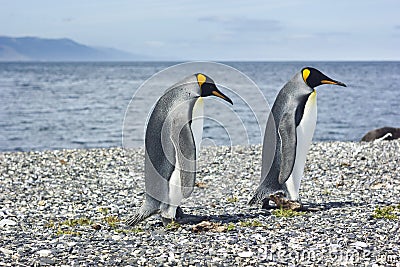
(265, 204)
(182, 218)
(179, 213)
(284, 203)
(166, 221)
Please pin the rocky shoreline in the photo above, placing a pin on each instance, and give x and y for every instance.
(68, 207)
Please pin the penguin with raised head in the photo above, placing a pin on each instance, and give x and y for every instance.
(288, 135)
(172, 144)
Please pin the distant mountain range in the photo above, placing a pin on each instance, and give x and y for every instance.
(40, 49)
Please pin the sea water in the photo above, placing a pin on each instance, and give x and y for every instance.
(82, 105)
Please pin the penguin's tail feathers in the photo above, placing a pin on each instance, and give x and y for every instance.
(259, 196)
(144, 212)
(265, 193)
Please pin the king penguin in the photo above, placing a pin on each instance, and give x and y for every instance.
(288, 135)
(172, 144)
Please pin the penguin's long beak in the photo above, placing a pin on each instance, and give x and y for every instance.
(333, 82)
(221, 95)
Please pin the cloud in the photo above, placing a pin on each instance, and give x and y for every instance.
(332, 33)
(300, 36)
(155, 44)
(218, 19)
(67, 19)
(243, 24)
(396, 33)
(311, 37)
(241, 30)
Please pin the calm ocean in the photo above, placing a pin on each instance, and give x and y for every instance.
(82, 105)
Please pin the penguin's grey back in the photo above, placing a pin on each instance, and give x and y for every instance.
(168, 128)
(290, 99)
(168, 134)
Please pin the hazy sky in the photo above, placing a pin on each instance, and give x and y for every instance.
(217, 30)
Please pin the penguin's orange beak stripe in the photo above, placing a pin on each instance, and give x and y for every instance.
(216, 93)
(328, 82)
(333, 82)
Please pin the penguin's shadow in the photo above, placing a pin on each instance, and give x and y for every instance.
(312, 207)
(257, 212)
(341, 204)
(221, 218)
(234, 218)
(189, 219)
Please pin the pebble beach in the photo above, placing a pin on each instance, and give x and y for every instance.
(68, 207)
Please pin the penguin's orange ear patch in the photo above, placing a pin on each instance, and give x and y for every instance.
(201, 79)
(306, 73)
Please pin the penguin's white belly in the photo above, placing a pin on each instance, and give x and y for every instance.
(197, 124)
(175, 190)
(304, 133)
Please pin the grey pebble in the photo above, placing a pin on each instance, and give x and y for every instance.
(7, 222)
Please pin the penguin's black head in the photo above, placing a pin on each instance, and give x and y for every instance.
(208, 87)
(313, 78)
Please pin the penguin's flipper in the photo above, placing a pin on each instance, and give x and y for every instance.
(287, 133)
(187, 159)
